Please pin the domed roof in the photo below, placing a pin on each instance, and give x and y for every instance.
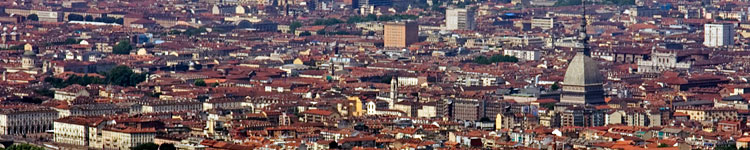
(582, 71)
(29, 53)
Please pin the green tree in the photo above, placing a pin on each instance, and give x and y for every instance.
(194, 31)
(120, 21)
(555, 86)
(386, 79)
(75, 17)
(88, 18)
(481, 60)
(306, 33)
(33, 17)
(123, 76)
(200, 82)
(355, 19)
(621, 2)
(45, 92)
(24, 146)
(320, 32)
(293, 27)
(122, 47)
(663, 145)
(549, 106)
(167, 146)
(327, 22)
(371, 17)
(71, 41)
(146, 146)
(567, 2)
(494, 59)
(726, 147)
(333, 145)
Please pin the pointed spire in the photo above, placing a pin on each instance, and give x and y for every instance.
(582, 31)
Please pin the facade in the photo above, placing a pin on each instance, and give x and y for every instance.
(459, 19)
(709, 114)
(662, 61)
(633, 117)
(97, 109)
(718, 35)
(126, 138)
(227, 103)
(400, 34)
(78, 131)
(543, 23)
(172, 106)
(466, 109)
(19, 120)
(71, 92)
(581, 116)
(319, 116)
(522, 54)
(227, 9)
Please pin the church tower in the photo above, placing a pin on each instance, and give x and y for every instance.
(583, 80)
(394, 92)
(28, 60)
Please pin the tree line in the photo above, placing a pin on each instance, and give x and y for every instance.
(120, 75)
(494, 59)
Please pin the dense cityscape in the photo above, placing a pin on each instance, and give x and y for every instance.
(374, 74)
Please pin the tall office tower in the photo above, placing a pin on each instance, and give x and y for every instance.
(459, 18)
(718, 35)
(400, 34)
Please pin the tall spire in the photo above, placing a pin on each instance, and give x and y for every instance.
(582, 31)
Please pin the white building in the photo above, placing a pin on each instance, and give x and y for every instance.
(522, 54)
(172, 106)
(459, 18)
(79, 131)
(469, 80)
(411, 80)
(19, 120)
(427, 111)
(71, 92)
(718, 35)
(125, 138)
(543, 23)
(662, 61)
(97, 109)
(224, 103)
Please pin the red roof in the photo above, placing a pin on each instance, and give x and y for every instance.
(318, 112)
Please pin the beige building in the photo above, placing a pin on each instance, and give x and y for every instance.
(224, 103)
(709, 114)
(79, 131)
(172, 106)
(543, 23)
(19, 120)
(71, 92)
(127, 137)
(400, 34)
(427, 111)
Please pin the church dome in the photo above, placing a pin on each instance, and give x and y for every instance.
(583, 70)
(28, 53)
